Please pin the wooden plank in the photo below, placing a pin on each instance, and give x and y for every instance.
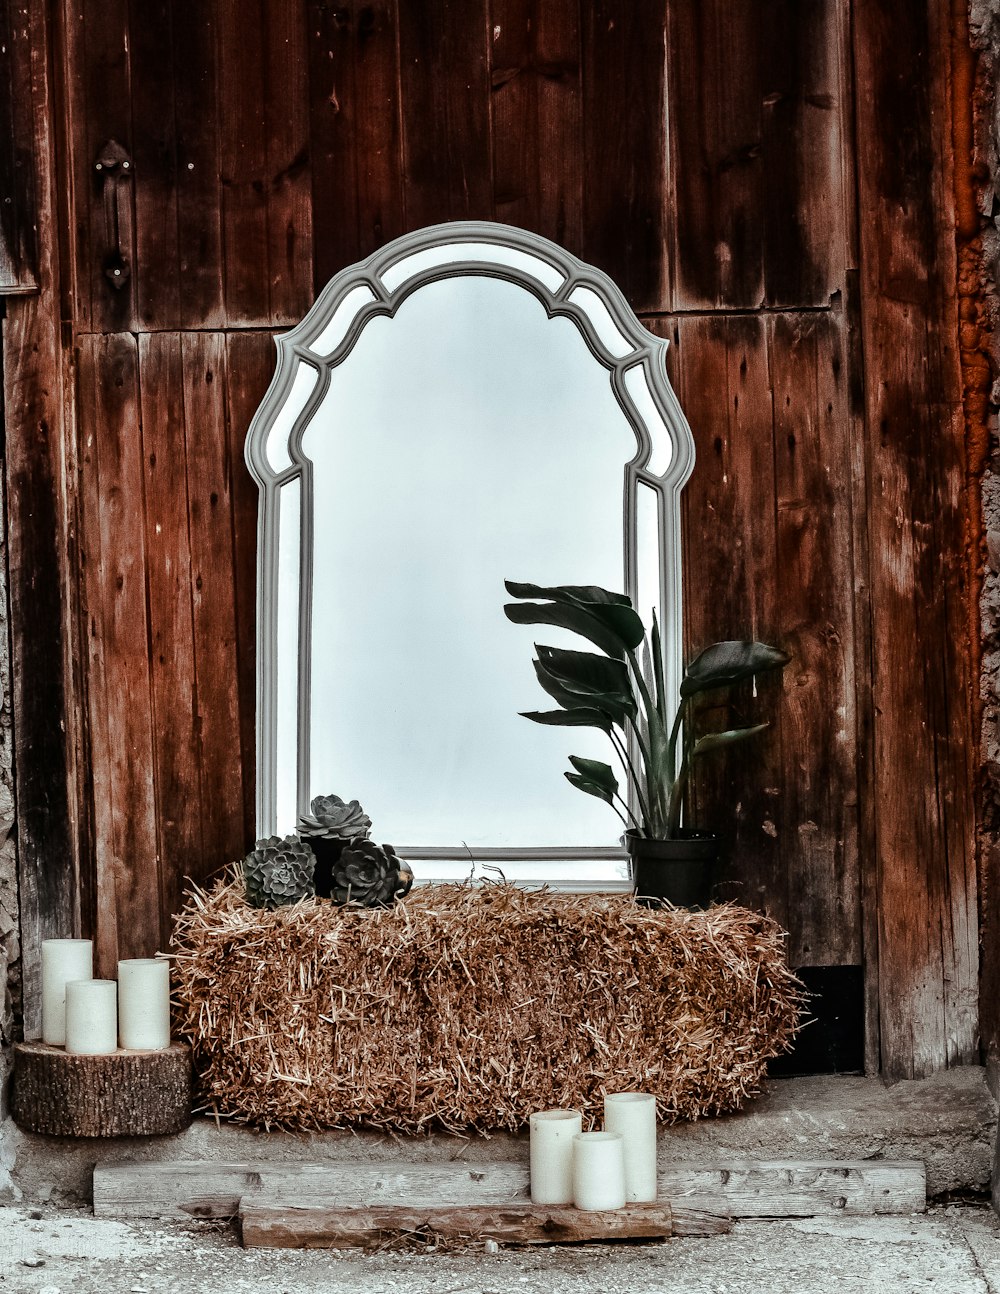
(268, 1224)
(715, 72)
(213, 593)
(818, 778)
(731, 591)
(45, 656)
(199, 195)
(180, 809)
(191, 1188)
(250, 359)
(624, 152)
(444, 78)
(18, 164)
(737, 1188)
(241, 39)
(923, 738)
(537, 118)
(286, 174)
(113, 549)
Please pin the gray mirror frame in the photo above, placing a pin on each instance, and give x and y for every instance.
(295, 349)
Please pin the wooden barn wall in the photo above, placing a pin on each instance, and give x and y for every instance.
(704, 155)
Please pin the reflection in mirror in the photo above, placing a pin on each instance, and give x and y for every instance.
(463, 428)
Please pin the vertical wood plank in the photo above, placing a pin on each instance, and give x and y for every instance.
(18, 233)
(199, 194)
(46, 683)
(249, 369)
(154, 154)
(209, 505)
(357, 182)
(624, 155)
(180, 808)
(444, 75)
(242, 55)
(289, 209)
(101, 109)
(120, 706)
(928, 955)
(537, 118)
(715, 152)
(731, 590)
(819, 794)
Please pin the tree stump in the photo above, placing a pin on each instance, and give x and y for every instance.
(122, 1094)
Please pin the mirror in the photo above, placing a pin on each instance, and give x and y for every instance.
(471, 404)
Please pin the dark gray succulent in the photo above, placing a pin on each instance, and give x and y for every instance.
(331, 818)
(370, 875)
(279, 871)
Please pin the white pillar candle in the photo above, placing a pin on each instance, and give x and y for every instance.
(552, 1133)
(633, 1114)
(91, 1017)
(598, 1171)
(144, 1004)
(62, 960)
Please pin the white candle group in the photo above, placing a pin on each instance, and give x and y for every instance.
(94, 1017)
(552, 1133)
(62, 960)
(633, 1116)
(144, 1004)
(91, 1017)
(596, 1170)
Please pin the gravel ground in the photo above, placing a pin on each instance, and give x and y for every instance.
(951, 1250)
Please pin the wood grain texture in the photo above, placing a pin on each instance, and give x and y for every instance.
(267, 1223)
(123, 1094)
(45, 658)
(19, 248)
(928, 955)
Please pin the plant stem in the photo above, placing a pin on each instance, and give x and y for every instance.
(622, 749)
(672, 743)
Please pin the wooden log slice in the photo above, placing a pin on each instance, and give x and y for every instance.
(123, 1094)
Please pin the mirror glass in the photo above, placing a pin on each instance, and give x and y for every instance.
(450, 415)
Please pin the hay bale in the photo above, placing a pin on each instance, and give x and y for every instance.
(467, 1007)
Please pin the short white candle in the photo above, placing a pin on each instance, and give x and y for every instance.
(144, 1004)
(633, 1114)
(598, 1171)
(91, 1016)
(62, 960)
(552, 1133)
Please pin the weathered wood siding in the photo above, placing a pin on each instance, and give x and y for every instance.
(703, 154)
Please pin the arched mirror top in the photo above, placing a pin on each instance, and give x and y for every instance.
(471, 403)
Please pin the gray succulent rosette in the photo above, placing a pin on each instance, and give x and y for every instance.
(370, 875)
(279, 871)
(331, 818)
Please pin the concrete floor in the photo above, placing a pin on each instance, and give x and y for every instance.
(949, 1250)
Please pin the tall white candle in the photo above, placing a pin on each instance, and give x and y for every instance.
(144, 1003)
(552, 1133)
(633, 1114)
(62, 960)
(598, 1171)
(91, 1016)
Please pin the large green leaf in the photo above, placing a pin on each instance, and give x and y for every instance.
(584, 671)
(715, 740)
(571, 617)
(612, 704)
(595, 770)
(588, 787)
(567, 593)
(581, 717)
(726, 663)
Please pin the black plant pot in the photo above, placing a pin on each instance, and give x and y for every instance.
(680, 872)
(327, 853)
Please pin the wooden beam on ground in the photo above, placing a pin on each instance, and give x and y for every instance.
(739, 1188)
(267, 1223)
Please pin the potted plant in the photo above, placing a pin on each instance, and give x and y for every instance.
(621, 691)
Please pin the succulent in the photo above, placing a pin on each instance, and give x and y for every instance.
(332, 818)
(279, 871)
(370, 875)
